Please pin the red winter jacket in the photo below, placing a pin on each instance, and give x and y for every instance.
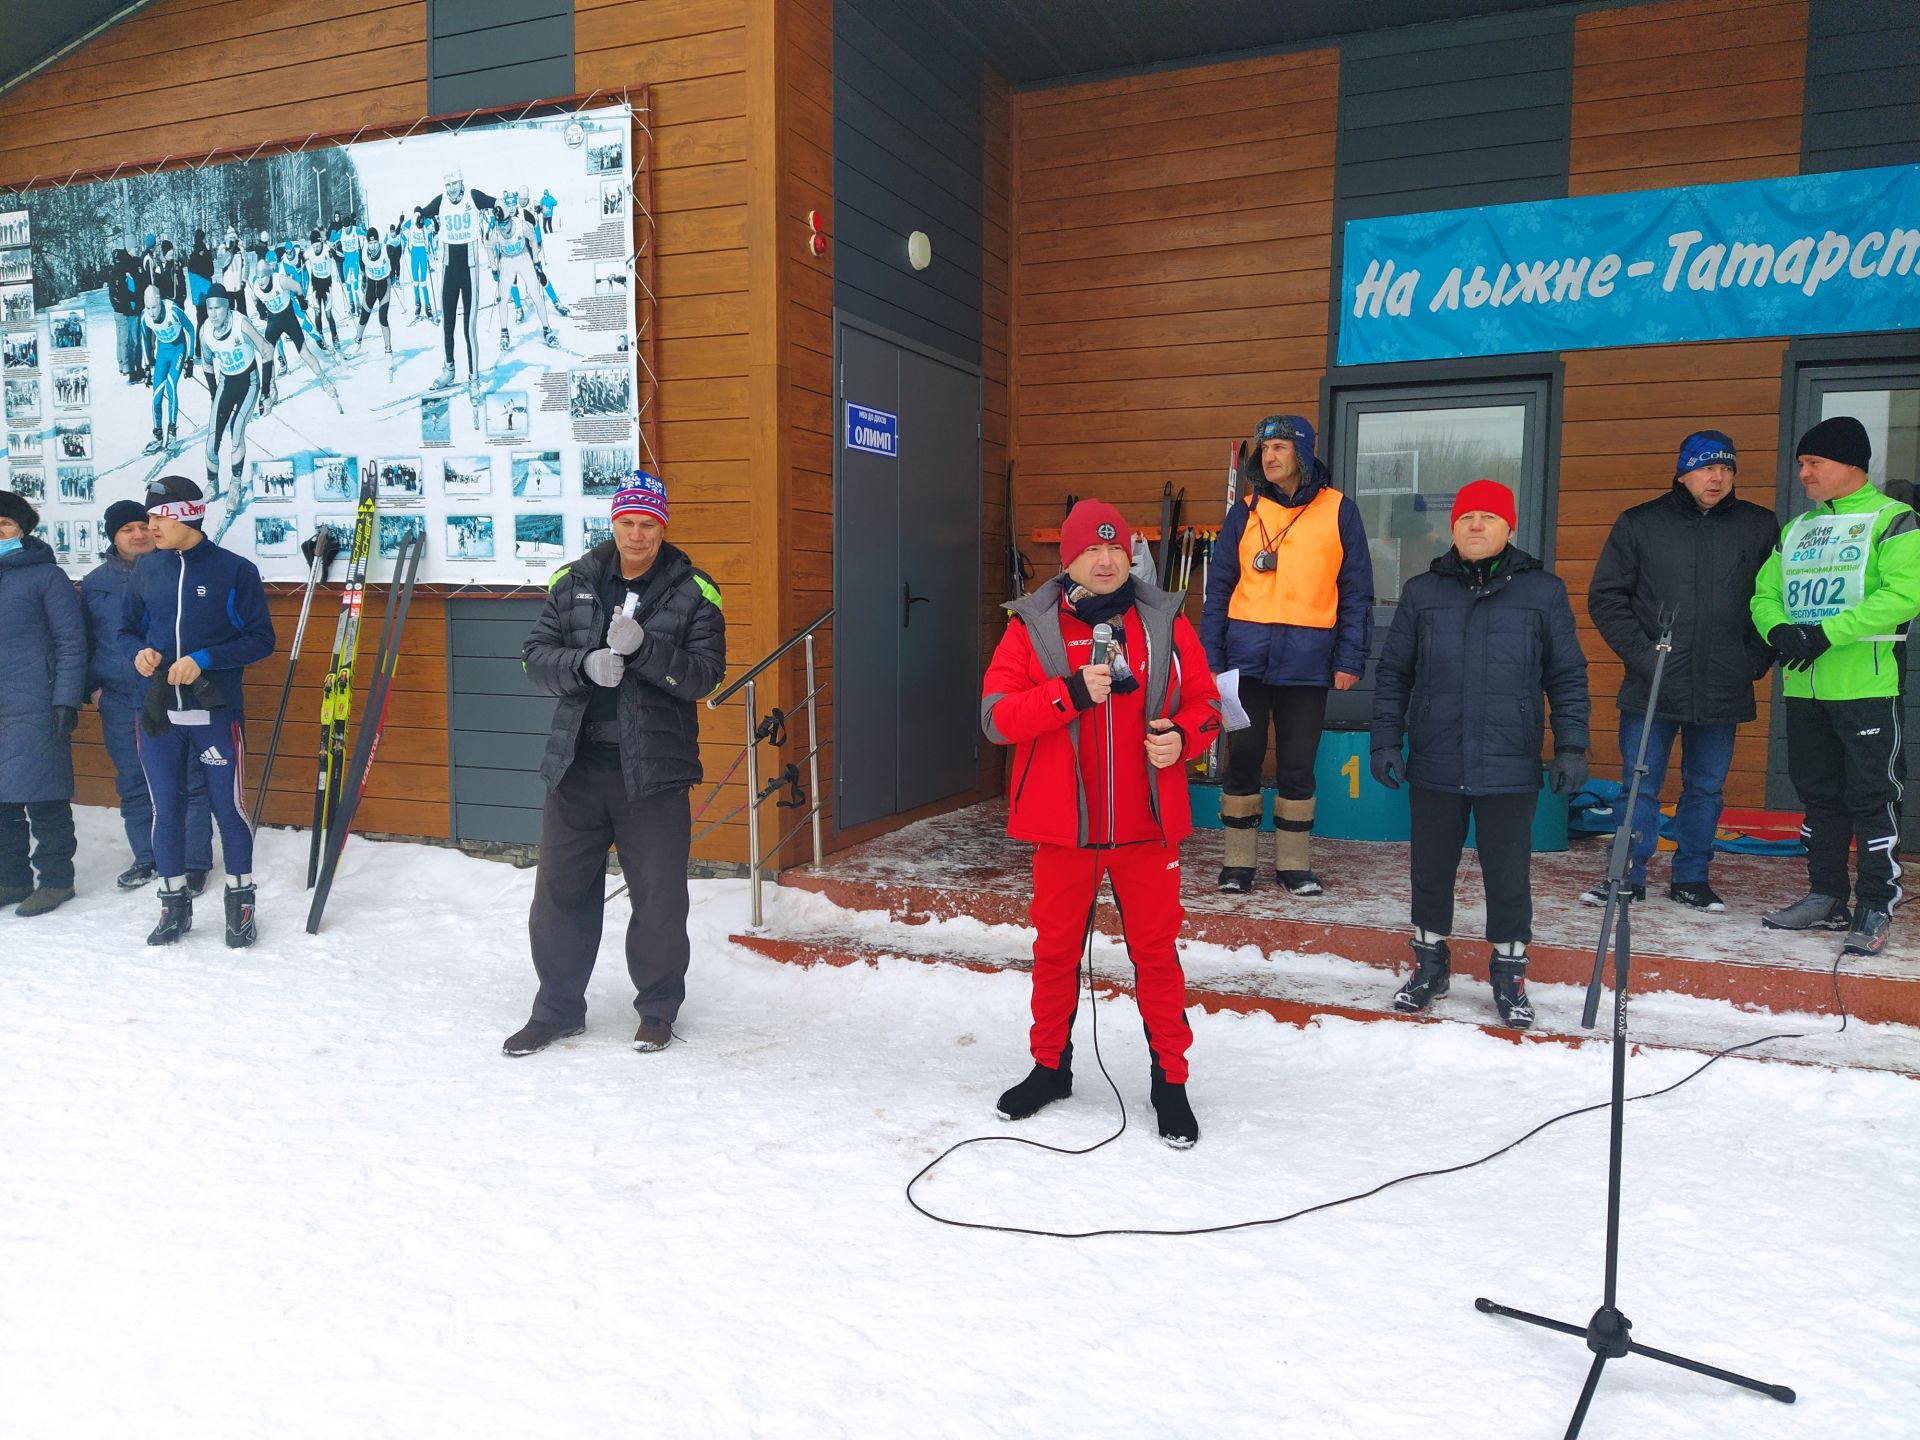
(1058, 792)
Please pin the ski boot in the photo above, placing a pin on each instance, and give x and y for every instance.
(155, 445)
(176, 917)
(242, 931)
(1432, 974)
(135, 876)
(1041, 1088)
(444, 381)
(1871, 925)
(519, 315)
(196, 881)
(550, 336)
(1510, 991)
(561, 310)
(1813, 911)
(1178, 1128)
(173, 436)
(506, 340)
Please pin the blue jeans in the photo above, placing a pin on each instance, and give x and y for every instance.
(1705, 753)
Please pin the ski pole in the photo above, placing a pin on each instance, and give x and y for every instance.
(324, 548)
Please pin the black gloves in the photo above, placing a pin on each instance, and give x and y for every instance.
(153, 710)
(329, 546)
(1568, 771)
(1385, 766)
(206, 693)
(65, 717)
(1799, 645)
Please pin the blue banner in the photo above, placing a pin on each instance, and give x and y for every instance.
(1805, 255)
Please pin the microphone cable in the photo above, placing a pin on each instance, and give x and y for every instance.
(1306, 1210)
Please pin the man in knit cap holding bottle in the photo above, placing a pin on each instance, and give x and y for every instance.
(1102, 689)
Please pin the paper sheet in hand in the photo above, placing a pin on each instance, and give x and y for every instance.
(1232, 712)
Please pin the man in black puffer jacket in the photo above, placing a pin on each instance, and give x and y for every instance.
(1480, 645)
(631, 640)
(1697, 549)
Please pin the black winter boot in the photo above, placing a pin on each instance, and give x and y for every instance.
(1510, 992)
(176, 917)
(1178, 1128)
(241, 929)
(1432, 974)
(1040, 1089)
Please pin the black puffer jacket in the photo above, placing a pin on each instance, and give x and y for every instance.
(680, 662)
(1703, 563)
(1468, 669)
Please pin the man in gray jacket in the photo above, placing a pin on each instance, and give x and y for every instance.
(631, 640)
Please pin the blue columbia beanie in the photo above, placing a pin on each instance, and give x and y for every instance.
(1703, 448)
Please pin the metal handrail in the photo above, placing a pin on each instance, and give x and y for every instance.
(756, 861)
(713, 701)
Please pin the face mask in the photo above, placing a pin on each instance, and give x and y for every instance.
(7, 547)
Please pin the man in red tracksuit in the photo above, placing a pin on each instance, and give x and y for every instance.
(1099, 786)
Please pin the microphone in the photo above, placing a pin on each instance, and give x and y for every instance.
(1102, 642)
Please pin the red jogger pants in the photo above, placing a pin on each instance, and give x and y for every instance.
(1146, 887)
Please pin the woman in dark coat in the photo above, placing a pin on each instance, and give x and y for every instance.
(1481, 644)
(43, 640)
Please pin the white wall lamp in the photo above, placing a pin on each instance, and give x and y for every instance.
(919, 250)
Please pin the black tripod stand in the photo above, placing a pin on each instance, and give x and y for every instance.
(1607, 1333)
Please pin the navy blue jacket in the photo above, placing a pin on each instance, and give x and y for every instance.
(43, 638)
(1290, 654)
(205, 602)
(1469, 666)
(104, 593)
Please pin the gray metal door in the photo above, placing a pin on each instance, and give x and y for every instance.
(907, 582)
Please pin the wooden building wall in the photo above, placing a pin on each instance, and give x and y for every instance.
(1170, 265)
(1636, 126)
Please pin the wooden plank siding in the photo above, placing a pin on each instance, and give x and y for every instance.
(1624, 412)
(1171, 240)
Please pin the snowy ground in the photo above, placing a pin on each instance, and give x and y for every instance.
(297, 1191)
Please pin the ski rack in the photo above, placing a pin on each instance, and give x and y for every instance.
(788, 780)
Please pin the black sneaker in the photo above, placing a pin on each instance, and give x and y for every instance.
(196, 881)
(242, 928)
(1432, 974)
(1812, 911)
(1040, 1089)
(1236, 880)
(1178, 1128)
(1510, 993)
(1298, 882)
(1598, 894)
(176, 917)
(1698, 894)
(1871, 925)
(135, 876)
(536, 1035)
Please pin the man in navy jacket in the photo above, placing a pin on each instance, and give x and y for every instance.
(121, 690)
(195, 617)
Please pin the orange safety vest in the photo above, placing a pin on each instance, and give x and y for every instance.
(1304, 587)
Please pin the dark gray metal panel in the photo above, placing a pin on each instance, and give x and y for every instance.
(1447, 116)
(487, 53)
(489, 637)
(500, 823)
(497, 721)
(866, 567)
(497, 750)
(491, 675)
(518, 789)
(907, 155)
(1863, 72)
(939, 471)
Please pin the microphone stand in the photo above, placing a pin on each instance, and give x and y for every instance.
(1608, 1333)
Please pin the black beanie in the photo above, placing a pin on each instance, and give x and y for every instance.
(180, 492)
(15, 508)
(120, 513)
(1840, 438)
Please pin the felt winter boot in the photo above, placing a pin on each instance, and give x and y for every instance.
(1240, 820)
(1292, 832)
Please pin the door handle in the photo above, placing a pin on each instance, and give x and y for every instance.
(907, 601)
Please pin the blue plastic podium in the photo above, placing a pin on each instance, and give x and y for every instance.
(1352, 805)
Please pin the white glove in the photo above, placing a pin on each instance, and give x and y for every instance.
(624, 634)
(605, 668)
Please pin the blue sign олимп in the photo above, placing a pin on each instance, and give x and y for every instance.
(873, 432)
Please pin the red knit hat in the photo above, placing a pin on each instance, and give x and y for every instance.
(1090, 523)
(1488, 495)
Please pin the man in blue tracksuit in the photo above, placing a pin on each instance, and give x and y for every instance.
(111, 672)
(195, 617)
